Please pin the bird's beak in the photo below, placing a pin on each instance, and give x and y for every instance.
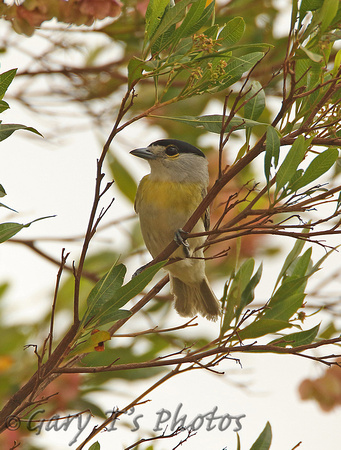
(144, 153)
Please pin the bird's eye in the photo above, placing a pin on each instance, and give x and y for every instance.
(172, 151)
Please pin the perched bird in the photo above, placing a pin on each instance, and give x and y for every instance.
(165, 200)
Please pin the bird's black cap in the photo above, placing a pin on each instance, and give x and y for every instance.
(183, 147)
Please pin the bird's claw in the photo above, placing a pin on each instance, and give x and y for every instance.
(182, 241)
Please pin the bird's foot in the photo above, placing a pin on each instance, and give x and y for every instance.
(180, 240)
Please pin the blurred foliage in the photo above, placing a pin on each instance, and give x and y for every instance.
(184, 63)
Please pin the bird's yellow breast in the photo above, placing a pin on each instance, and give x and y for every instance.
(179, 197)
(164, 207)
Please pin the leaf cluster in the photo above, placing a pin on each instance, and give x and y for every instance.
(186, 55)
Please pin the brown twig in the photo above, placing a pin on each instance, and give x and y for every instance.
(198, 356)
(59, 275)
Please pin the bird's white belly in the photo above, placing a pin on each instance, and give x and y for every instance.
(158, 228)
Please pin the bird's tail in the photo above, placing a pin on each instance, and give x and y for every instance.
(195, 298)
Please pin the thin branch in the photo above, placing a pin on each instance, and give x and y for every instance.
(195, 357)
(59, 275)
(107, 422)
(162, 436)
(156, 330)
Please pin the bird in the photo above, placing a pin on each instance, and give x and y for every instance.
(165, 199)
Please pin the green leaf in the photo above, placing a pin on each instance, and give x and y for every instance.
(285, 308)
(3, 106)
(95, 446)
(123, 180)
(2, 191)
(295, 339)
(137, 284)
(309, 5)
(289, 166)
(9, 229)
(7, 129)
(112, 316)
(237, 66)
(261, 327)
(329, 332)
(195, 18)
(315, 57)
(163, 41)
(103, 293)
(296, 250)
(96, 338)
(154, 13)
(213, 122)
(263, 441)
(337, 63)
(109, 311)
(136, 66)
(328, 12)
(289, 287)
(232, 32)
(319, 165)
(172, 16)
(299, 266)
(248, 293)
(212, 31)
(271, 151)
(106, 287)
(256, 101)
(238, 285)
(6, 79)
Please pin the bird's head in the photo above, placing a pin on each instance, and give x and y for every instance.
(174, 160)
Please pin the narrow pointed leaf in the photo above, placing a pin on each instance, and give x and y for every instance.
(256, 104)
(172, 16)
(123, 179)
(319, 165)
(289, 166)
(9, 229)
(263, 441)
(271, 151)
(3, 106)
(295, 339)
(285, 308)
(299, 267)
(106, 288)
(289, 287)
(249, 292)
(136, 67)
(262, 327)
(232, 32)
(110, 310)
(7, 129)
(195, 18)
(328, 12)
(296, 250)
(6, 79)
(154, 15)
(136, 285)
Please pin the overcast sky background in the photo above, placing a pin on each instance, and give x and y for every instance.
(43, 178)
